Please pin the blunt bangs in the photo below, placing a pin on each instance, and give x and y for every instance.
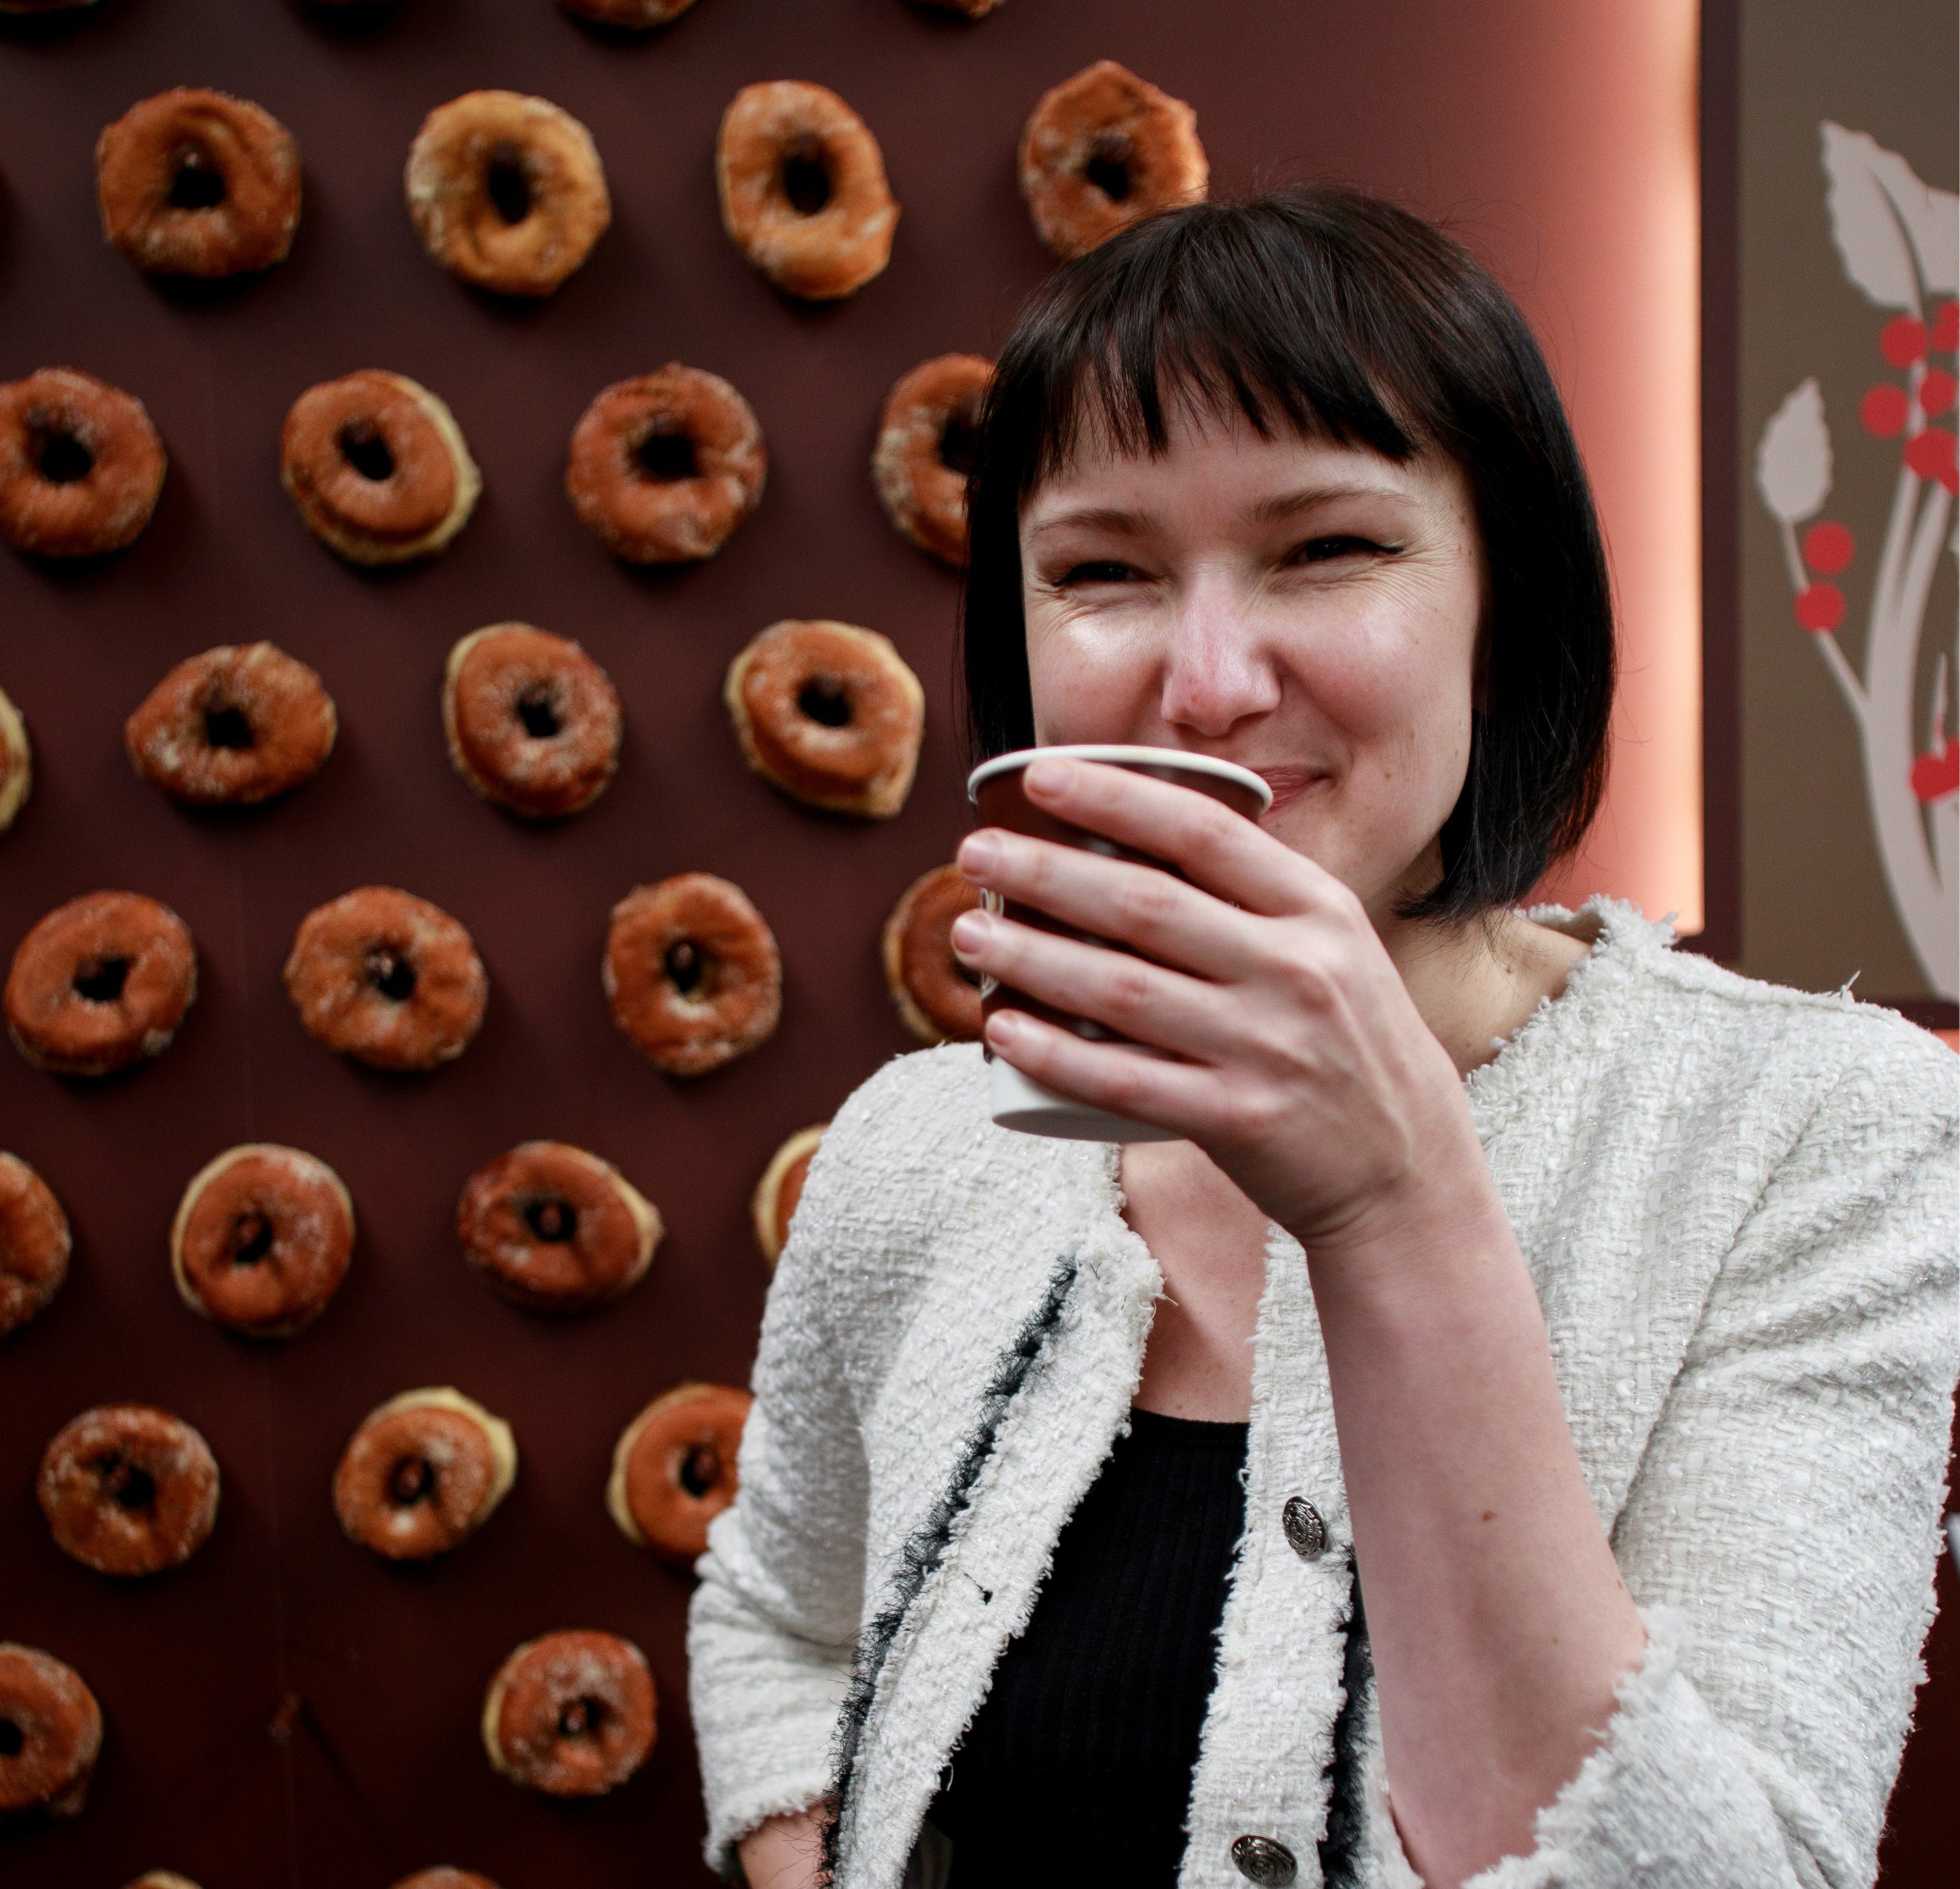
(1333, 316)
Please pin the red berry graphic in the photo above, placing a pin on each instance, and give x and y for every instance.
(1946, 327)
(1936, 774)
(1936, 390)
(1930, 453)
(1902, 340)
(1820, 607)
(1827, 548)
(1883, 410)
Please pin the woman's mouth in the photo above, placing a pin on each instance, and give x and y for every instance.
(1288, 783)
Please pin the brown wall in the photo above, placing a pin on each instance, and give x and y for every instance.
(287, 1709)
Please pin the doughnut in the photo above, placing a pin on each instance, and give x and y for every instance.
(555, 1229)
(506, 192)
(80, 465)
(531, 721)
(693, 972)
(663, 466)
(773, 1204)
(197, 183)
(830, 714)
(926, 438)
(37, 9)
(17, 762)
(160, 1879)
(570, 1714)
(969, 9)
(261, 1240)
(128, 1490)
(377, 467)
(629, 16)
(803, 194)
(673, 1469)
(388, 979)
(101, 982)
(422, 1474)
(936, 999)
(50, 1733)
(1102, 149)
(443, 1876)
(34, 1244)
(240, 724)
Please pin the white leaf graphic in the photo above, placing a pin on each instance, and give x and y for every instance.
(1793, 461)
(1885, 221)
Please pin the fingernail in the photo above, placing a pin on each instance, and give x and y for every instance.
(969, 931)
(1002, 1028)
(1050, 777)
(979, 854)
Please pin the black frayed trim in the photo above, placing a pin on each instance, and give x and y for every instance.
(924, 1549)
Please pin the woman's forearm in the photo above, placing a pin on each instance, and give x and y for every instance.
(1498, 1622)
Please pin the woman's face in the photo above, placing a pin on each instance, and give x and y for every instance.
(1311, 611)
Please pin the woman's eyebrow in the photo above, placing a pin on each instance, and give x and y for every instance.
(1132, 524)
(1284, 504)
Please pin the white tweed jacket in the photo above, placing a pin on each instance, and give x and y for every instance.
(1739, 1205)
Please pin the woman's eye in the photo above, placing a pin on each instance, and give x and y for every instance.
(1099, 571)
(1324, 550)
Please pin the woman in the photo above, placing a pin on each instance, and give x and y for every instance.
(1587, 1308)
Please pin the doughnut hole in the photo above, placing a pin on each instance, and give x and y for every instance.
(666, 455)
(689, 969)
(960, 435)
(507, 181)
(412, 1480)
(361, 444)
(124, 1483)
(388, 971)
(1108, 166)
(826, 700)
(100, 980)
(805, 175)
(700, 1470)
(13, 1740)
(552, 1219)
(60, 455)
(196, 182)
(251, 1238)
(227, 725)
(536, 706)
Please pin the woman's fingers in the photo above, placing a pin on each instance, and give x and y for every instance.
(1215, 848)
(1129, 1082)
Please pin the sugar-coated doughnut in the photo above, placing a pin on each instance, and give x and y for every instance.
(506, 191)
(388, 979)
(692, 973)
(570, 1714)
(555, 1229)
(160, 1879)
(629, 16)
(926, 439)
(80, 465)
(128, 1489)
(803, 194)
(52, 1733)
(1102, 149)
(261, 1240)
(830, 713)
(17, 762)
(197, 183)
(664, 466)
(377, 467)
(445, 1877)
(239, 724)
(34, 1244)
(422, 1474)
(939, 1001)
(531, 721)
(772, 1206)
(673, 1469)
(101, 982)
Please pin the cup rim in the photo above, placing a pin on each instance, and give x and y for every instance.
(1119, 753)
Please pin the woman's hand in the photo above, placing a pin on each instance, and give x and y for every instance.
(1306, 1072)
(786, 1852)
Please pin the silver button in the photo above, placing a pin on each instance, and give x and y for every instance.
(1306, 1533)
(1265, 1860)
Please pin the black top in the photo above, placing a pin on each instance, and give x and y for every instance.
(1085, 1744)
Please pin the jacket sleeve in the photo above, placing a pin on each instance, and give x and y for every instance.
(1782, 1534)
(773, 1624)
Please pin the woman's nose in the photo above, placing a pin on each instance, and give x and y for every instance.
(1217, 672)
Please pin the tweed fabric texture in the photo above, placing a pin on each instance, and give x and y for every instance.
(1738, 1204)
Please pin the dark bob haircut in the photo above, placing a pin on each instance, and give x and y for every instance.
(1338, 317)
